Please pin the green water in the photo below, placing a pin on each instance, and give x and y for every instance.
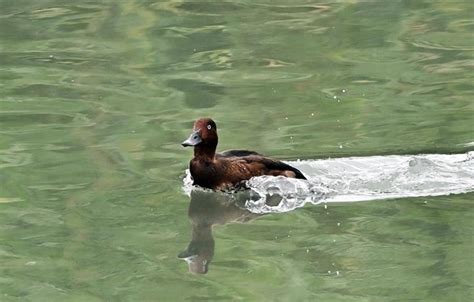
(95, 97)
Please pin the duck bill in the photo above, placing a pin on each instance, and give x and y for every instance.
(193, 140)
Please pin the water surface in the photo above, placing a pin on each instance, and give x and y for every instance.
(95, 97)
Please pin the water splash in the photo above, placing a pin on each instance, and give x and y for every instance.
(362, 178)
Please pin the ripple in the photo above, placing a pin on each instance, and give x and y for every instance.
(218, 58)
(445, 41)
(275, 77)
(66, 187)
(49, 13)
(450, 67)
(39, 217)
(197, 94)
(466, 25)
(10, 199)
(60, 58)
(300, 22)
(254, 78)
(15, 160)
(372, 55)
(199, 8)
(423, 56)
(185, 31)
(15, 156)
(14, 121)
(45, 90)
(295, 9)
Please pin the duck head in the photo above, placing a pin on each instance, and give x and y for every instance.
(203, 137)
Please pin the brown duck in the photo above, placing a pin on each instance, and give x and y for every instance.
(229, 169)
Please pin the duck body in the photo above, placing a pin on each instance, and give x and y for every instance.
(225, 172)
(229, 169)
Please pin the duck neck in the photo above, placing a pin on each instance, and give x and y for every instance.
(205, 152)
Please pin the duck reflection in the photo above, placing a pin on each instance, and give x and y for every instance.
(207, 209)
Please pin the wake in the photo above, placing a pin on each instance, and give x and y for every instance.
(361, 178)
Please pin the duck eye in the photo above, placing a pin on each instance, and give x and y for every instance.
(209, 127)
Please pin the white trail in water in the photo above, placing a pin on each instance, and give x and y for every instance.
(363, 178)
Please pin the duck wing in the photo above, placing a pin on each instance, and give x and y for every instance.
(268, 166)
(237, 153)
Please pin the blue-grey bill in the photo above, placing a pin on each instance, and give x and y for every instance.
(193, 140)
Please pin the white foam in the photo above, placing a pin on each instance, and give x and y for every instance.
(362, 178)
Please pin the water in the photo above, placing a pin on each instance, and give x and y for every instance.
(365, 178)
(95, 97)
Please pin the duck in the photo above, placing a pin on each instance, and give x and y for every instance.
(230, 169)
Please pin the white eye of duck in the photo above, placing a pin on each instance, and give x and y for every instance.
(209, 127)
